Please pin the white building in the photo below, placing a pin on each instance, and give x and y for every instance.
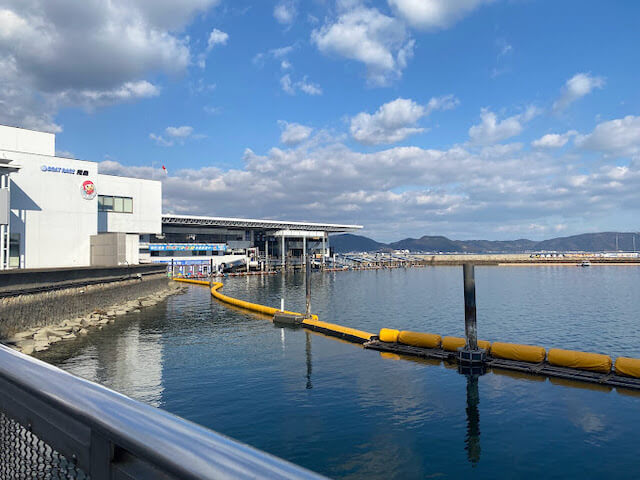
(60, 212)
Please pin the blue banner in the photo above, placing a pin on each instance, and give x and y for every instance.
(187, 247)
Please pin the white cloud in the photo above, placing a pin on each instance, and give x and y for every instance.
(490, 130)
(285, 12)
(454, 191)
(217, 37)
(180, 132)
(553, 140)
(160, 140)
(619, 137)
(393, 122)
(290, 87)
(287, 84)
(68, 53)
(94, 98)
(396, 120)
(175, 134)
(576, 87)
(434, 14)
(446, 102)
(64, 154)
(277, 53)
(308, 87)
(380, 42)
(294, 133)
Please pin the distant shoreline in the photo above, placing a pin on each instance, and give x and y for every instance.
(521, 260)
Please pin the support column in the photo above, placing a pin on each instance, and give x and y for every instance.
(266, 252)
(324, 235)
(283, 253)
(304, 250)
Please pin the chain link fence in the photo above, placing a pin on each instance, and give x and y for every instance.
(23, 456)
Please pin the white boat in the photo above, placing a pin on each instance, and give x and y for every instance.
(586, 263)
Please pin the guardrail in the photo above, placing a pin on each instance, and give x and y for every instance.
(56, 425)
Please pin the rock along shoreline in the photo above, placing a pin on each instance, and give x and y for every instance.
(40, 339)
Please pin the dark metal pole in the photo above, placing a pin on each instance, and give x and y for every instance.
(308, 284)
(470, 327)
(172, 272)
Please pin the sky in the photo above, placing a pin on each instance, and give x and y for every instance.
(492, 119)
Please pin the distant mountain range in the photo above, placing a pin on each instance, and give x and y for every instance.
(587, 242)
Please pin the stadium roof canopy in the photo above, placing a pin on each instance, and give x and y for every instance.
(168, 219)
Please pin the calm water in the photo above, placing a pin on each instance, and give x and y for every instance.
(352, 413)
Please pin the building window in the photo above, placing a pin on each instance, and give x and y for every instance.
(108, 203)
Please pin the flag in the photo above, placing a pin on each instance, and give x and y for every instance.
(164, 169)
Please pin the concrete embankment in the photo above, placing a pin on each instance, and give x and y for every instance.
(47, 307)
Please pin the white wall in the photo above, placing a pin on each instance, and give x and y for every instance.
(147, 205)
(28, 141)
(133, 249)
(55, 222)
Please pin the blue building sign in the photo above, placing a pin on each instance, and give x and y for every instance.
(187, 247)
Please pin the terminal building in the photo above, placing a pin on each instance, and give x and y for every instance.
(62, 212)
(195, 244)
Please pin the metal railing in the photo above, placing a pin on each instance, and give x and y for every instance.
(55, 425)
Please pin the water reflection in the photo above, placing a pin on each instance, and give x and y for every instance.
(473, 420)
(307, 350)
(122, 357)
(356, 415)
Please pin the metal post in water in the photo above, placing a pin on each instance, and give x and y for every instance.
(304, 249)
(307, 280)
(283, 252)
(470, 356)
(282, 304)
(470, 325)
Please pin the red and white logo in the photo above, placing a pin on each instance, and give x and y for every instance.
(88, 190)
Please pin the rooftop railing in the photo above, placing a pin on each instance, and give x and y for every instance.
(55, 425)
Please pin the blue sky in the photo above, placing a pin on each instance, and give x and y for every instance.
(469, 118)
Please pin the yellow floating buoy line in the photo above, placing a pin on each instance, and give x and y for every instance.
(357, 336)
(568, 364)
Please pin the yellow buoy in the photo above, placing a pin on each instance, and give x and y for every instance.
(416, 339)
(593, 362)
(522, 353)
(629, 367)
(389, 335)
